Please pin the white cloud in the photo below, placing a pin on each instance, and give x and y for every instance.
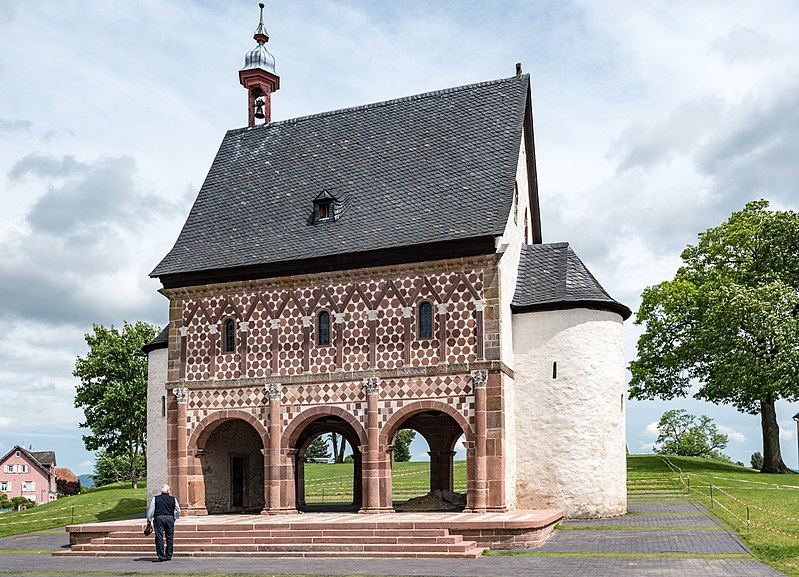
(732, 434)
(652, 430)
(7, 422)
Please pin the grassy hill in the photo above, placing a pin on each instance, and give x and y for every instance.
(100, 504)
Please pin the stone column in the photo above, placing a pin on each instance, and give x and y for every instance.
(181, 484)
(244, 326)
(372, 461)
(213, 330)
(274, 505)
(441, 470)
(274, 345)
(479, 307)
(339, 339)
(306, 343)
(479, 379)
(407, 335)
(184, 345)
(371, 317)
(441, 309)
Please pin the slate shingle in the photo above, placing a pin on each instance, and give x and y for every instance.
(552, 276)
(429, 168)
(161, 341)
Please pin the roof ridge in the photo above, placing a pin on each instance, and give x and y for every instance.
(380, 104)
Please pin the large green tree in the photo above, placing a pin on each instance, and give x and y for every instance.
(113, 390)
(727, 326)
(318, 449)
(680, 433)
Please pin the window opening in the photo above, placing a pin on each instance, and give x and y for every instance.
(516, 202)
(555, 370)
(425, 320)
(323, 326)
(230, 336)
(324, 210)
(163, 406)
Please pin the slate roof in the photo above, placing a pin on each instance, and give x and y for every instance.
(552, 277)
(159, 342)
(423, 169)
(45, 458)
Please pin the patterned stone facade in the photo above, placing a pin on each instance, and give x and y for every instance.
(375, 375)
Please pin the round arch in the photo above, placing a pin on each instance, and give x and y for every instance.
(207, 426)
(298, 424)
(395, 421)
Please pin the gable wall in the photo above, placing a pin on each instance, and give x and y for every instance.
(44, 483)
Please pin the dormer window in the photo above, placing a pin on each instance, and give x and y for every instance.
(323, 210)
(327, 207)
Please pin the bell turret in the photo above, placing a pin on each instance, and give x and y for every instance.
(258, 76)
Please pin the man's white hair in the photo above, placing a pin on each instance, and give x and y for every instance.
(165, 488)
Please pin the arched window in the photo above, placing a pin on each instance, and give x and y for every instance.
(323, 326)
(230, 336)
(425, 321)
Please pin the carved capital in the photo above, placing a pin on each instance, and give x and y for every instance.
(479, 306)
(213, 329)
(244, 326)
(338, 317)
(274, 323)
(183, 331)
(441, 308)
(372, 385)
(371, 315)
(407, 312)
(181, 394)
(306, 321)
(274, 391)
(479, 379)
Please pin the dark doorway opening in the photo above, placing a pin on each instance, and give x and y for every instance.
(238, 480)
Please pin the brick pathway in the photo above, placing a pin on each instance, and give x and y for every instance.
(601, 538)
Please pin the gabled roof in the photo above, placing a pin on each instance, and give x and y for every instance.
(432, 168)
(552, 277)
(66, 474)
(48, 456)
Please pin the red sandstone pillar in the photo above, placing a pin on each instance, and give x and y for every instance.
(441, 309)
(181, 484)
(372, 461)
(274, 507)
(479, 308)
(479, 379)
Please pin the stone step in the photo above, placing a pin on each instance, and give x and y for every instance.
(327, 532)
(469, 554)
(342, 539)
(236, 548)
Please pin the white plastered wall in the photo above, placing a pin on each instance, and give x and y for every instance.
(570, 430)
(156, 421)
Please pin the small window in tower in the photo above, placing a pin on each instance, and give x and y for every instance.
(516, 202)
(323, 328)
(163, 406)
(230, 336)
(425, 320)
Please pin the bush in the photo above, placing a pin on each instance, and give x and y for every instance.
(18, 502)
(757, 460)
(66, 488)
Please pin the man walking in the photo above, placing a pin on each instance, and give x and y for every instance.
(163, 512)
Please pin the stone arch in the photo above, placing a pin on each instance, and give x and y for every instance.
(441, 426)
(204, 429)
(303, 429)
(391, 426)
(296, 426)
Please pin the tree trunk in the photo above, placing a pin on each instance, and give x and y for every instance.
(772, 457)
(340, 454)
(334, 438)
(134, 483)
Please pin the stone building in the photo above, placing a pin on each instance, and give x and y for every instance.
(375, 268)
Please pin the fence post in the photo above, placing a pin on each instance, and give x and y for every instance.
(323, 494)
(689, 483)
(747, 519)
(73, 515)
(711, 495)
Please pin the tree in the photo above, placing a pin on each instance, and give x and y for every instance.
(110, 468)
(728, 323)
(339, 445)
(402, 445)
(317, 450)
(113, 390)
(66, 488)
(756, 460)
(681, 433)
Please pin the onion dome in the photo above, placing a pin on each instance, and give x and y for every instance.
(260, 57)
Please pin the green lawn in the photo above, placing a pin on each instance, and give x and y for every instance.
(332, 483)
(769, 502)
(101, 504)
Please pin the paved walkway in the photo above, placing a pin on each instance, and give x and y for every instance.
(656, 539)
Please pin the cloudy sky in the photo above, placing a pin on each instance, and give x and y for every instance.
(653, 122)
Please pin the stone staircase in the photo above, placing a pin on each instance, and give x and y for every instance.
(312, 540)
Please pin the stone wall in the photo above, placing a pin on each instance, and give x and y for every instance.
(570, 430)
(156, 420)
